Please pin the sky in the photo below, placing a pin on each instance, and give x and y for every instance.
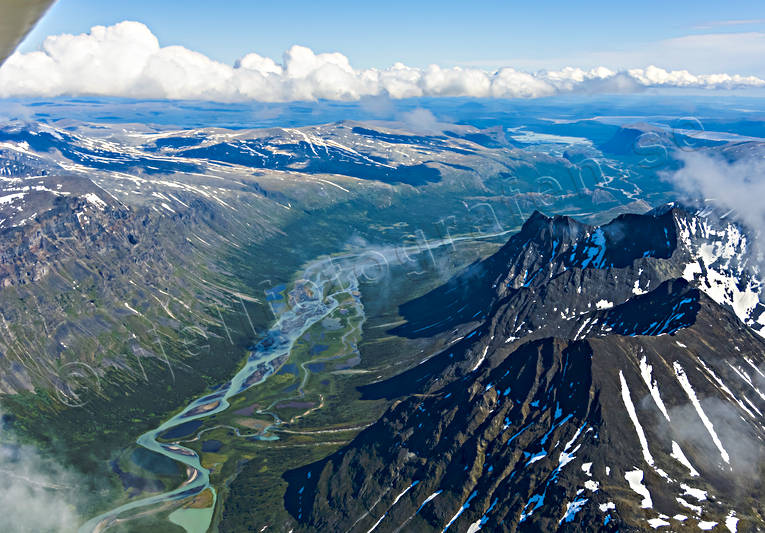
(529, 34)
(186, 44)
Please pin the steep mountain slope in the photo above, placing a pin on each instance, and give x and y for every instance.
(96, 276)
(610, 384)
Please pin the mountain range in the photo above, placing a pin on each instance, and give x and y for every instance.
(414, 345)
(611, 385)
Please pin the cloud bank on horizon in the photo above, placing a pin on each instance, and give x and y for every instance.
(126, 60)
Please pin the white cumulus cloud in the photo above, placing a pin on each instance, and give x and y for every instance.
(126, 59)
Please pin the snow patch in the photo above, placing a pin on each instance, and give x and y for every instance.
(695, 508)
(537, 457)
(677, 454)
(633, 416)
(636, 288)
(731, 522)
(699, 494)
(481, 360)
(635, 480)
(656, 523)
(604, 304)
(645, 373)
(571, 509)
(95, 200)
(686, 385)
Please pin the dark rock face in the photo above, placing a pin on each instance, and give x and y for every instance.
(533, 259)
(607, 386)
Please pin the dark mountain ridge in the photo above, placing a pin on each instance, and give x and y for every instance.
(608, 386)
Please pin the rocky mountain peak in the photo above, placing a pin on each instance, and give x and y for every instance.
(602, 388)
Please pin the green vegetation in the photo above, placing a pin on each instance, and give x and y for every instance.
(314, 393)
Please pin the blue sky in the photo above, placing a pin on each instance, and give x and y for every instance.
(528, 35)
(349, 50)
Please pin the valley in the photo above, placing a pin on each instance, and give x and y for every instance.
(227, 308)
